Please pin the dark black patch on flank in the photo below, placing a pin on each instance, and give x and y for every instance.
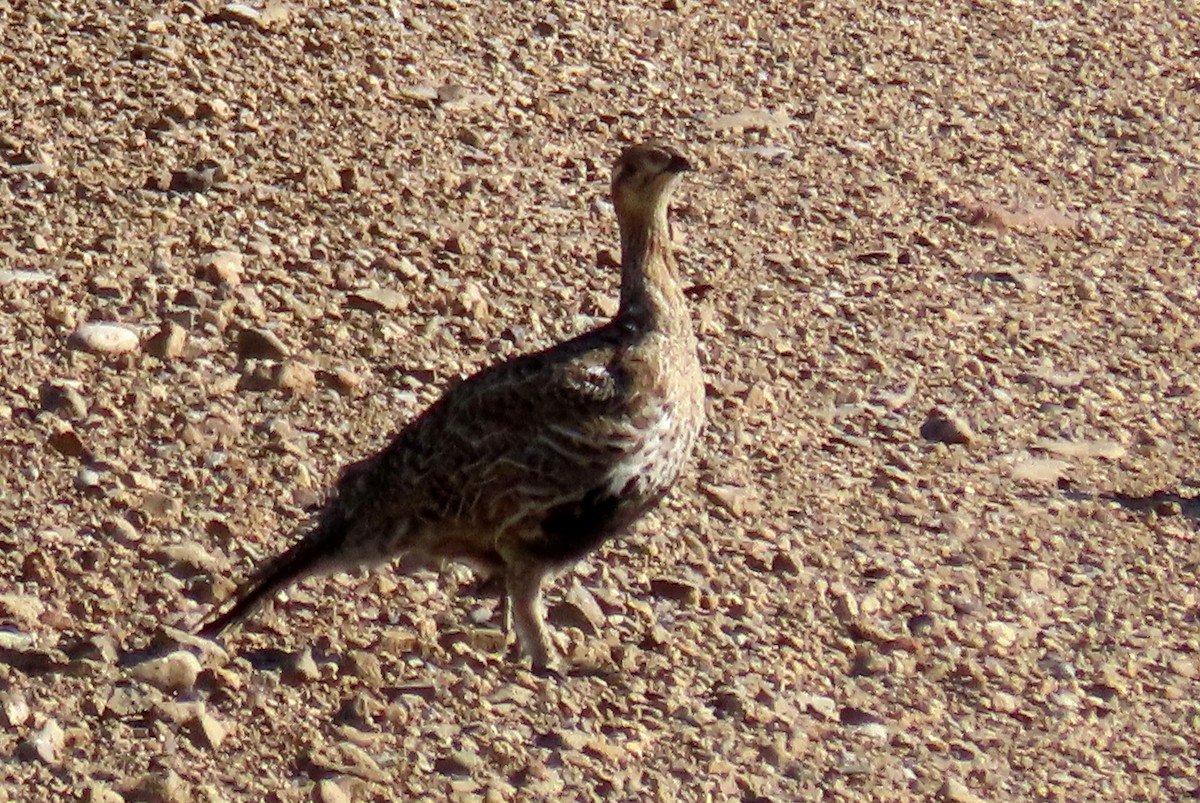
(573, 529)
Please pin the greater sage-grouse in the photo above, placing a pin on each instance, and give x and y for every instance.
(532, 463)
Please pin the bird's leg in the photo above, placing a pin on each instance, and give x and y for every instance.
(493, 583)
(523, 604)
(512, 641)
(506, 622)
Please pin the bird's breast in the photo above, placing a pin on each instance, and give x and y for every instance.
(662, 434)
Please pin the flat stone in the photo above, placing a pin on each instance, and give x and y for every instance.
(1107, 450)
(23, 277)
(738, 500)
(260, 344)
(750, 119)
(679, 591)
(1045, 470)
(377, 299)
(104, 338)
(239, 12)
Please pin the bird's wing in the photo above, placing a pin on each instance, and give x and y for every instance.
(535, 429)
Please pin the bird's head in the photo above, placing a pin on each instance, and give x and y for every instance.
(643, 179)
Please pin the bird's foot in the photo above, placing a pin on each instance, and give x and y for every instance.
(551, 671)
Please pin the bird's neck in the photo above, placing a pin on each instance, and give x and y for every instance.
(650, 292)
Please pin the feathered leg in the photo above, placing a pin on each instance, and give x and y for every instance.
(524, 605)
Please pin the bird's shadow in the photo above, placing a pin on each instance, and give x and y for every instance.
(1162, 503)
(272, 659)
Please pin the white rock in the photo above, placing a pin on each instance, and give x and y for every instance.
(1040, 469)
(48, 742)
(750, 119)
(1002, 634)
(240, 12)
(175, 671)
(823, 706)
(330, 792)
(104, 338)
(1107, 450)
(15, 708)
(23, 277)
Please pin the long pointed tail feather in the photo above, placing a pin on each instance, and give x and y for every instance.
(306, 557)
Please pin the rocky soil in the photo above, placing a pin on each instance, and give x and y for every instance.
(939, 541)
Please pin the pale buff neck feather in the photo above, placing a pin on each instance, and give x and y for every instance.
(650, 292)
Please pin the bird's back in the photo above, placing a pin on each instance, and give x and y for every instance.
(555, 450)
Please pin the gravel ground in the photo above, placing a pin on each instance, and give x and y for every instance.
(940, 538)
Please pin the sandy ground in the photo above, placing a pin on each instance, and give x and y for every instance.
(938, 542)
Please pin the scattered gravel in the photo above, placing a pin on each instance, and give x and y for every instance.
(240, 244)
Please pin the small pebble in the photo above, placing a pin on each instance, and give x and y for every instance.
(164, 786)
(295, 378)
(1002, 634)
(48, 742)
(944, 426)
(260, 344)
(15, 708)
(65, 399)
(176, 671)
(207, 731)
(303, 668)
(223, 267)
(676, 590)
(329, 792)
(955, 791)
(98, 793)
(87, 479)
(168, 343)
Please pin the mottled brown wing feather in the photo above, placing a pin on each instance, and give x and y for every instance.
(539, 426)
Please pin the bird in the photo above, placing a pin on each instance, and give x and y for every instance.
(532, 463)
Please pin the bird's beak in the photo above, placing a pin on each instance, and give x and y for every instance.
(678, 164)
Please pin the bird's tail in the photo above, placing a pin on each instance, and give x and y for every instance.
(316, 551)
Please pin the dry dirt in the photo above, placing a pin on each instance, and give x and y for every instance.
(939, 541)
